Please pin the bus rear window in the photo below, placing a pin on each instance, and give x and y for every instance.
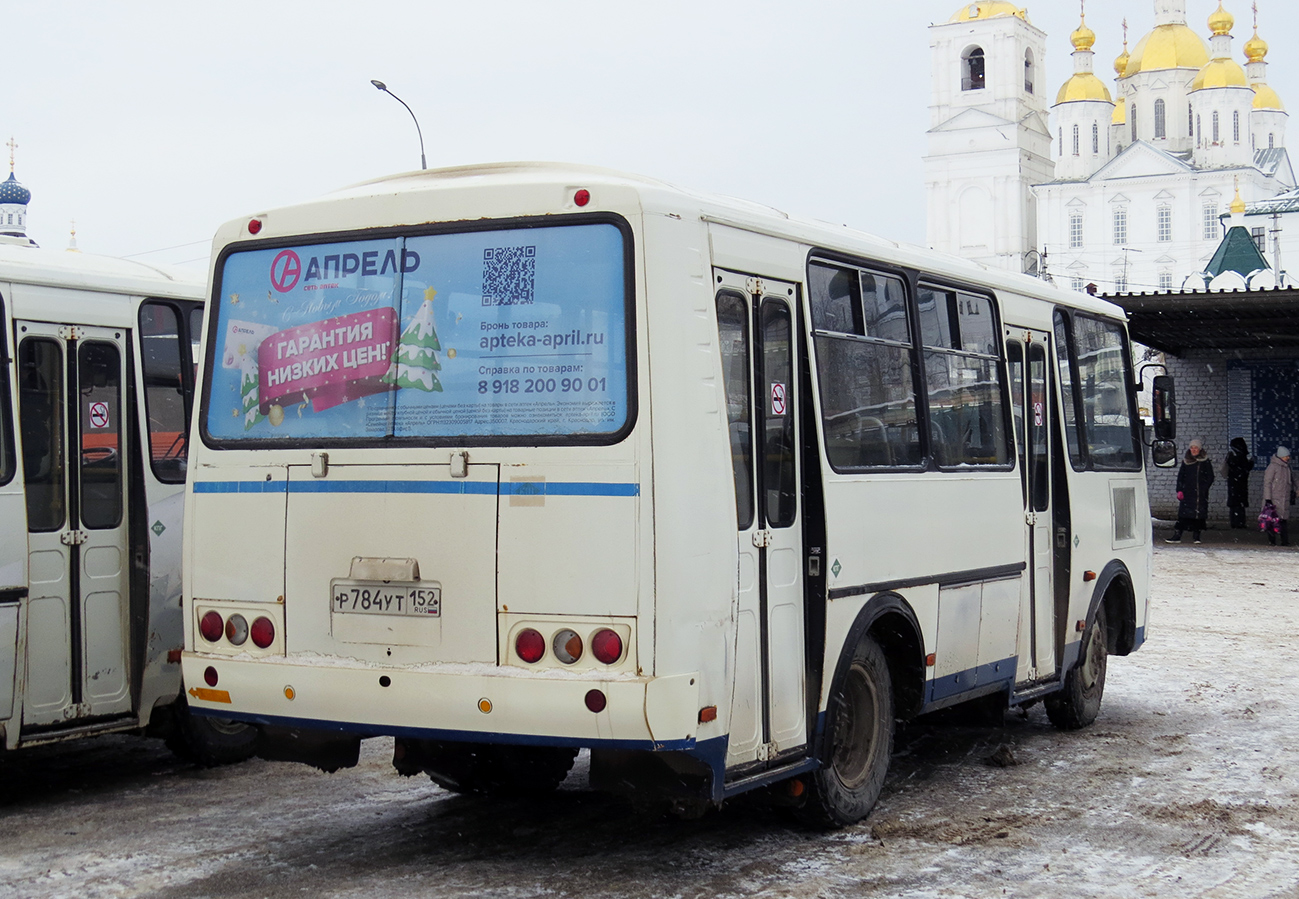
(485, 335)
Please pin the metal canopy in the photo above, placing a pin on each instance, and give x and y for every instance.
(1238, 320)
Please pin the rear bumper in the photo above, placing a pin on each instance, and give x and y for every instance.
(641, 713)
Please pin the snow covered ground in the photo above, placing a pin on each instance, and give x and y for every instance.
(1185, 787)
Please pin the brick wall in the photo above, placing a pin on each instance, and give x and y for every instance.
(1201, 383)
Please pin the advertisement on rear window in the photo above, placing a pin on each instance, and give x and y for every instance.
(481, 334)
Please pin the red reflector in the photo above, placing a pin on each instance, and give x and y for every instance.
(173, 656)
(530, 645)
(582, 197)
(263, 632)
(254, 226)
(596, 701)
(212, 627)
(607, 646)
(210, 676)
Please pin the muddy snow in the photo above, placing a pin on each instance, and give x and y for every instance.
(1185, 787)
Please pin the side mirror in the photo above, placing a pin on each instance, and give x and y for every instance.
(1163, 453)
(1164, 402)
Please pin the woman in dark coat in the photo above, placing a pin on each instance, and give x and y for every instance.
(1236, 470)
(1193, 480)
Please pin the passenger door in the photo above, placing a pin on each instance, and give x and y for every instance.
(1031, 391)
(756, 327)
(70, 408)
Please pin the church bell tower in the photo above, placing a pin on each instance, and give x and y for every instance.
(988, 140)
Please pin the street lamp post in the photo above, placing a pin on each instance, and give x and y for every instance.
(383, 87)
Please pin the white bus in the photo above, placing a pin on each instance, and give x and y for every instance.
(96, 387)
(509, 460)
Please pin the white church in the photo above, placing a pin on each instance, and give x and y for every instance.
(1124, 189)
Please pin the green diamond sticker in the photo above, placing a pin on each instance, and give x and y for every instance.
(158, 528)
(836, 568)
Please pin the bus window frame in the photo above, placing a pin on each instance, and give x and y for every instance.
(213, 324)
(8, 446)
(183, 310)
(909, 279)
(1075, 395)
(924, 282)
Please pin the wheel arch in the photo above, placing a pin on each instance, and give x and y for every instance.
(890, 621)
(1115, 592)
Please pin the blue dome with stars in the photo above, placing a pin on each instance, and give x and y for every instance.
(13, 192)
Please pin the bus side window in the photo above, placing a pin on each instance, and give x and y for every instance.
(8, 464)
(164, 390)
(1015, 360)
(41, 397)
(780, 476)
(733, 337)
(99, 371)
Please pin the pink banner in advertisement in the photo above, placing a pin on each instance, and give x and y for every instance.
(327, 362)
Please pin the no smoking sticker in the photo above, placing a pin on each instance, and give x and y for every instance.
(99, 415)
(777, 399)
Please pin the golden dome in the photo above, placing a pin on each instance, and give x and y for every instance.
(1237, 205)
(1083, 86)
(1220, 73)
(988, 9)
(1266, 98)
(1120, 116)
(1168, 47)
(1221, 22)
(1084, 38)
(1255, 48)
(1121, 64)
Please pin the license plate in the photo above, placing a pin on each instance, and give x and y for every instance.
(377, 598)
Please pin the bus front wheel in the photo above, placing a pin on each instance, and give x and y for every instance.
(846, 787)
(1078, 704)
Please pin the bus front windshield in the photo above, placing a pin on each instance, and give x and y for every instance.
(494, 335)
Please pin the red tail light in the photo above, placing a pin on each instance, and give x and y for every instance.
(263, 632)
(212, 627)
(607, 646)
(530, 645)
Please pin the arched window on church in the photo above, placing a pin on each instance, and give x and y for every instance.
(1190, 120)
(1030, 71)
(1062, 141)
(1161, 120)
(1271, 141)
(1235, 126)
(972, 69)
(1199, 130)
(1217, 134)
(1075, 140)
(1133, 116)
(1096, 138)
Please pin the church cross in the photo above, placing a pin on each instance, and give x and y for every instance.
(12, 146)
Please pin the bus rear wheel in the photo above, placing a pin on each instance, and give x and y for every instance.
(846, 787)
(210, 741)
(1078, 704)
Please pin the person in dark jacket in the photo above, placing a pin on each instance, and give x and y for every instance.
(1236, 470)
(1193, 480)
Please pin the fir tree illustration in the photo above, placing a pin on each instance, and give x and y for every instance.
(415, 364)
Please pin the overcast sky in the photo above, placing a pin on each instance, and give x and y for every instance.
(151, 123)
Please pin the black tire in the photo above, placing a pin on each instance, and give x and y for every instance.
(498, 770)
(1078, 704)
(860, 743)
(210, 741)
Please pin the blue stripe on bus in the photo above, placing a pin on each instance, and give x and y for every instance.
(467, 736)
(1002, 671)
(478, 488)
(240, 486)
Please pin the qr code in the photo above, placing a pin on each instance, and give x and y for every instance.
(509, 275)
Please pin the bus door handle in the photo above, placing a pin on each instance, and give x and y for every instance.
(1061, 538)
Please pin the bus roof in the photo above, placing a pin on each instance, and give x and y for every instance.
(655, 196)
(106, 274)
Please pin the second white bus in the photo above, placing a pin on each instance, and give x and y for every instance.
(509, 460)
